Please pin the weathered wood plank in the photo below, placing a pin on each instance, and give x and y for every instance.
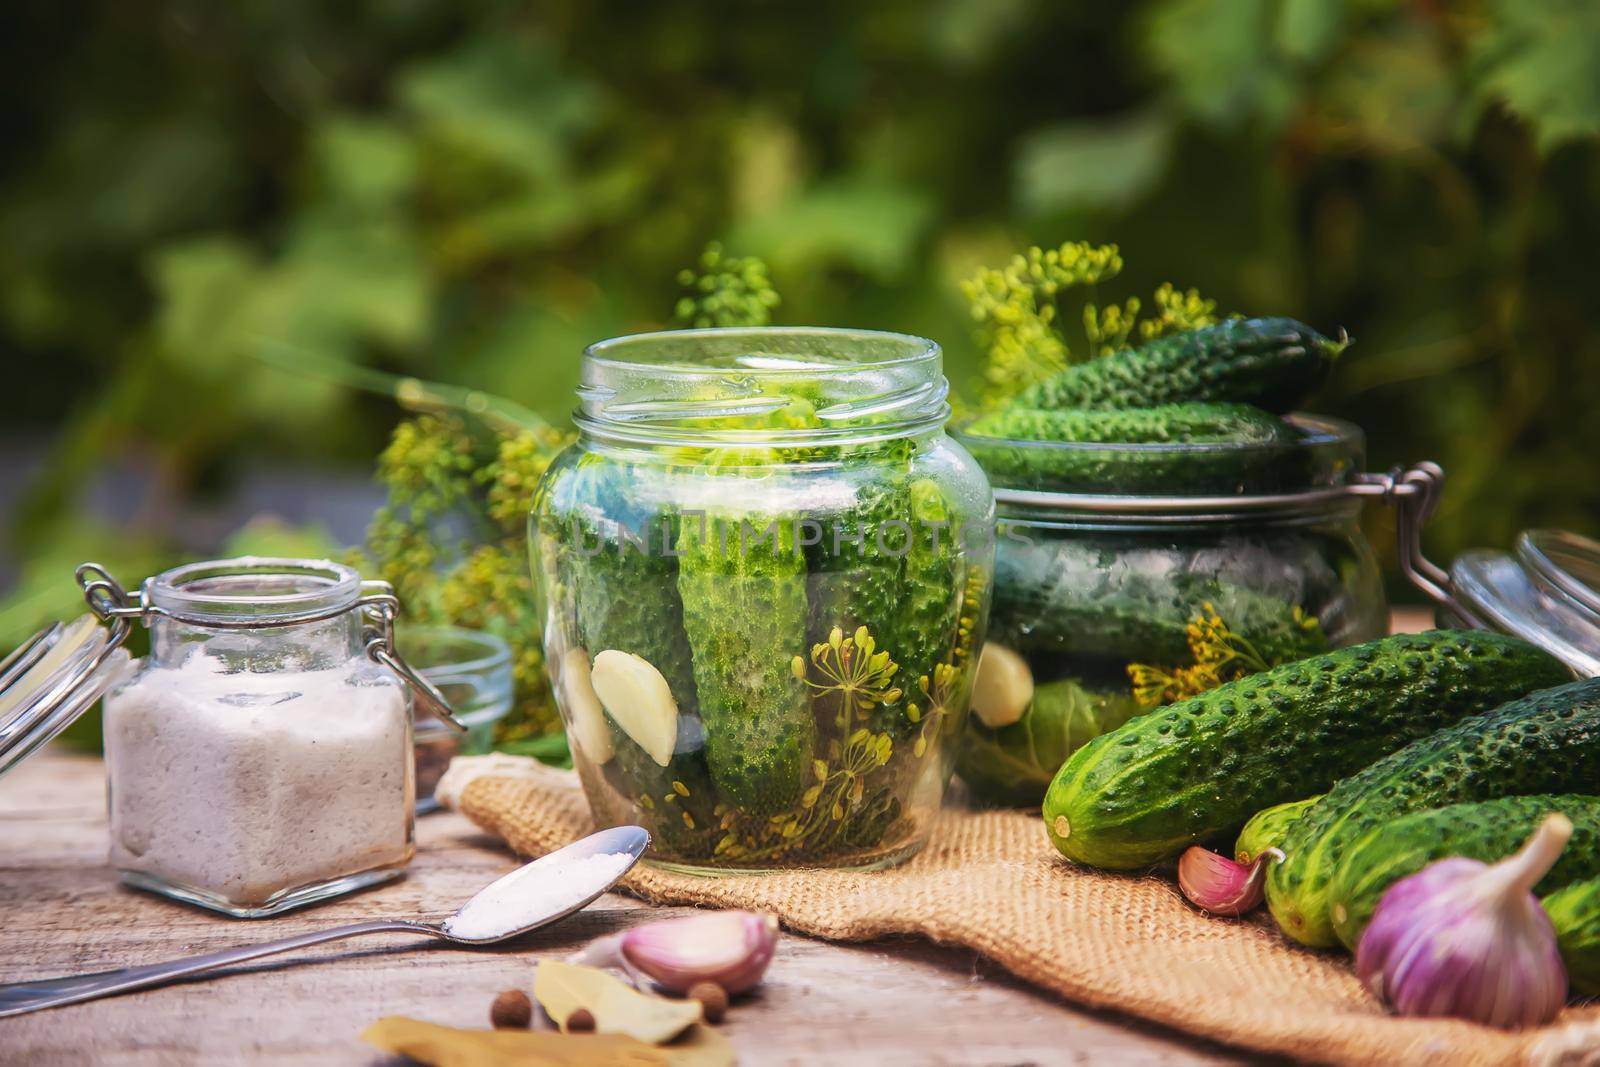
(890, 1003)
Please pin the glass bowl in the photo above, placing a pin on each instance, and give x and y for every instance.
(472, 669)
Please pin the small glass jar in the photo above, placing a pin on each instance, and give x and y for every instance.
(260, 757)
(1128, 576)
(472, 670)
(765, 573)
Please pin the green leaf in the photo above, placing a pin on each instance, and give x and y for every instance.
(1541, 59)
(1308, 29)
(1093, 164)
(502, 98)
(369, 162)
(1219, 57)
(862, 222)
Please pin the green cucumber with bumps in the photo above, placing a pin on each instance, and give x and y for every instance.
(856, 568)
(1201, 767)
(1545, 742)
(742, 581)
(625, 598)
(1574, 911)
(1062, 598)
(1085, 450)
(1271, 363)
(1486, 830)
(1167, 424)
(921, 632)
(1267, 829)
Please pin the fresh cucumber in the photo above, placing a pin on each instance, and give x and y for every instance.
(1167, 424)
(1485, 830)
(625, 598)
(1271, 363)
(741, 577)
(1199, 768)
(1545, 742)
(1574, 911)
(1060, 597)
(1194, 448)
(856, 569)
(1267, 829)
(921, 632)
(1013, 765)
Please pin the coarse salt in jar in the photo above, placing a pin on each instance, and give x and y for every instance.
(260, 757)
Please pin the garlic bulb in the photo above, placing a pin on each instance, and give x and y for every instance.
(728, 948)
(1466, 939)
(1221, 886)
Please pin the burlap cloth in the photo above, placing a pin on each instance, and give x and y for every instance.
(991, 881)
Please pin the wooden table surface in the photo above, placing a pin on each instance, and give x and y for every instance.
(882, 1004)
(886, 1003)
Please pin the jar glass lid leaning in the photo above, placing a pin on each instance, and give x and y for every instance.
(59, 673)
(1545, 591)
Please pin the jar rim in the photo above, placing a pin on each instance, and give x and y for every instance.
(746, 386)
(266, 590)
(918, 349)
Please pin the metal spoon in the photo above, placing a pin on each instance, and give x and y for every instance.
(22, 997)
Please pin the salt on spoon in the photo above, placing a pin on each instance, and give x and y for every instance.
(530, 892)
(534, 895)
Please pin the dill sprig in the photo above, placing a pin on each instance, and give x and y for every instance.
(722, 290)
(1017, 309)
(1220, 655)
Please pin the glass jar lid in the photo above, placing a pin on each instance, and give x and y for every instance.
(52, 679)
(1546, 591)
(59, 673)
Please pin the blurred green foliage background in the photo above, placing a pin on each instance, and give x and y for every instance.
(470, 191)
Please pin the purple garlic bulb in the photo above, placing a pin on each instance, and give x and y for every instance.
(1467, 939)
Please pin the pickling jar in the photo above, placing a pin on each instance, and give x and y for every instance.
(765, 575)
(1132, 575)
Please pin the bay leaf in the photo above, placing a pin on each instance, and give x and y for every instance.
(446, 1046)
(563, 988)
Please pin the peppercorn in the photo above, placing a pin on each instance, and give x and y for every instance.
(713, 1000)
(580, 1021)
(511, 1010)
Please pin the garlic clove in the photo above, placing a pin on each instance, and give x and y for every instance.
(1002, 688)
(639, 700)
(1219, 885)
(1469, 940)
(730, 948)
(588, 721)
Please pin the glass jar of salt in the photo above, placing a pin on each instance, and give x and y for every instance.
(260, 757)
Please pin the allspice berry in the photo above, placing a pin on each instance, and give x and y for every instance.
(511, 1010)
(713, 1000)
(580, 1021)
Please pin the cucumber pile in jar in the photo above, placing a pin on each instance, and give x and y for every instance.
(766, 573)
(1165, 525)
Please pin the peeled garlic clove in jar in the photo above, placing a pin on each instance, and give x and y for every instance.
(1002, 688)
(639, 700)
(588, 726)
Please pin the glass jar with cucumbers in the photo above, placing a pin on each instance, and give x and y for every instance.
(1165, 525)
(765, 573)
